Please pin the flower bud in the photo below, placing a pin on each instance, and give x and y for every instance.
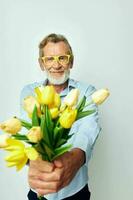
(68, 117)
(29, 104)
(45, 95)
(34, 134)
(54, 112)
(72, 98)
(57, 100)
(3, 142)
(19, 154)
(99, 96)
(31, 153)
(12, 125)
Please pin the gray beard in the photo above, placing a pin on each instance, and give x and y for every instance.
(58, 81)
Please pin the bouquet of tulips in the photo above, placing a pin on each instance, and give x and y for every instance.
(47, 134)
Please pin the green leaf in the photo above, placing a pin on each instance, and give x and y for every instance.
(49, 151)
(39, 148)
(84, 114)
(45, 157)
(23, 138)
(60, 142)
(26, 124)
(61, 150)
(35, 118)
(81, 104)
(49, 124)
(58, 132)
(44, 130)
(20, 137)
(67, 137)
(65, 133)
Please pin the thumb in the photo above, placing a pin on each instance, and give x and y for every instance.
(58, 163)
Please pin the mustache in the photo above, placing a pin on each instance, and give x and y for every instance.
(51, 69)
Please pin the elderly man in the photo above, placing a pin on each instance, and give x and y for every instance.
(66, 177)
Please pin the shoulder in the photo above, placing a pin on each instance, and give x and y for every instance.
(84, 87)
(28, 89)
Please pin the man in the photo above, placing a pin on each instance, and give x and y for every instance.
(66, 177)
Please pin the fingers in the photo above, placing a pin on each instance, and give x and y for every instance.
(46, 177)
(43, 188)
(53, 176)
(38, 184)
(58, 163)
(46, 183)
(41, 165)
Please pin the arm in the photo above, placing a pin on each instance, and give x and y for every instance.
(87, 129)
(67, 165)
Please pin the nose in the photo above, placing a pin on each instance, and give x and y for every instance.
(56, 64)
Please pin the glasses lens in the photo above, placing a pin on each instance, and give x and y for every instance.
(64, 59)
(48, 60)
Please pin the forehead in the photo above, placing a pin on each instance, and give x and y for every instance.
(58, 48)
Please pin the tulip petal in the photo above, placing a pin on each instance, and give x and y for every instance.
(11, 164)
(21, 164)
(13, 145)
(3, 140)
(31, 153)
(15, 156)
(14, 142)
(38, 93)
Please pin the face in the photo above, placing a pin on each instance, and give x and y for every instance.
(57, 70)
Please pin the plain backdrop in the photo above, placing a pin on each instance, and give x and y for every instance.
(100, 33)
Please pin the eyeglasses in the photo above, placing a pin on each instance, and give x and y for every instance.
(62, 59)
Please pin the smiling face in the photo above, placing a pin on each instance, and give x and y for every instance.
(57, 68)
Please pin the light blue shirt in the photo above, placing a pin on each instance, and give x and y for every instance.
(86, 132)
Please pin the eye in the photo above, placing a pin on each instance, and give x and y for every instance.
(50, 58)
(61, 57)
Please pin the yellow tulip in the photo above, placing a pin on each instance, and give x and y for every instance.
(34, 134)
(13, 144)
(12, 125)
(57, 100)
(99, 96)
(19, 154)
(45, 95)
(54, 112)
(39, 92)
(72, 98)
(68, 117)
(31, 153)
(29, 104)
(3, 138)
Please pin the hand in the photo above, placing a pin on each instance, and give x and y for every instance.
(37, 169)
(67, 165)
(48, 178)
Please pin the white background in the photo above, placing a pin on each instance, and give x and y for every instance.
(100, 32)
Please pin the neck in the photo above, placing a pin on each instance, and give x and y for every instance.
(61, 87)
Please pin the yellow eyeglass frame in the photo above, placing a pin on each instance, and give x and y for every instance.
(56, 58)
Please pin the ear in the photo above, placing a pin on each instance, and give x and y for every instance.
(71, 65)
(41, 64)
